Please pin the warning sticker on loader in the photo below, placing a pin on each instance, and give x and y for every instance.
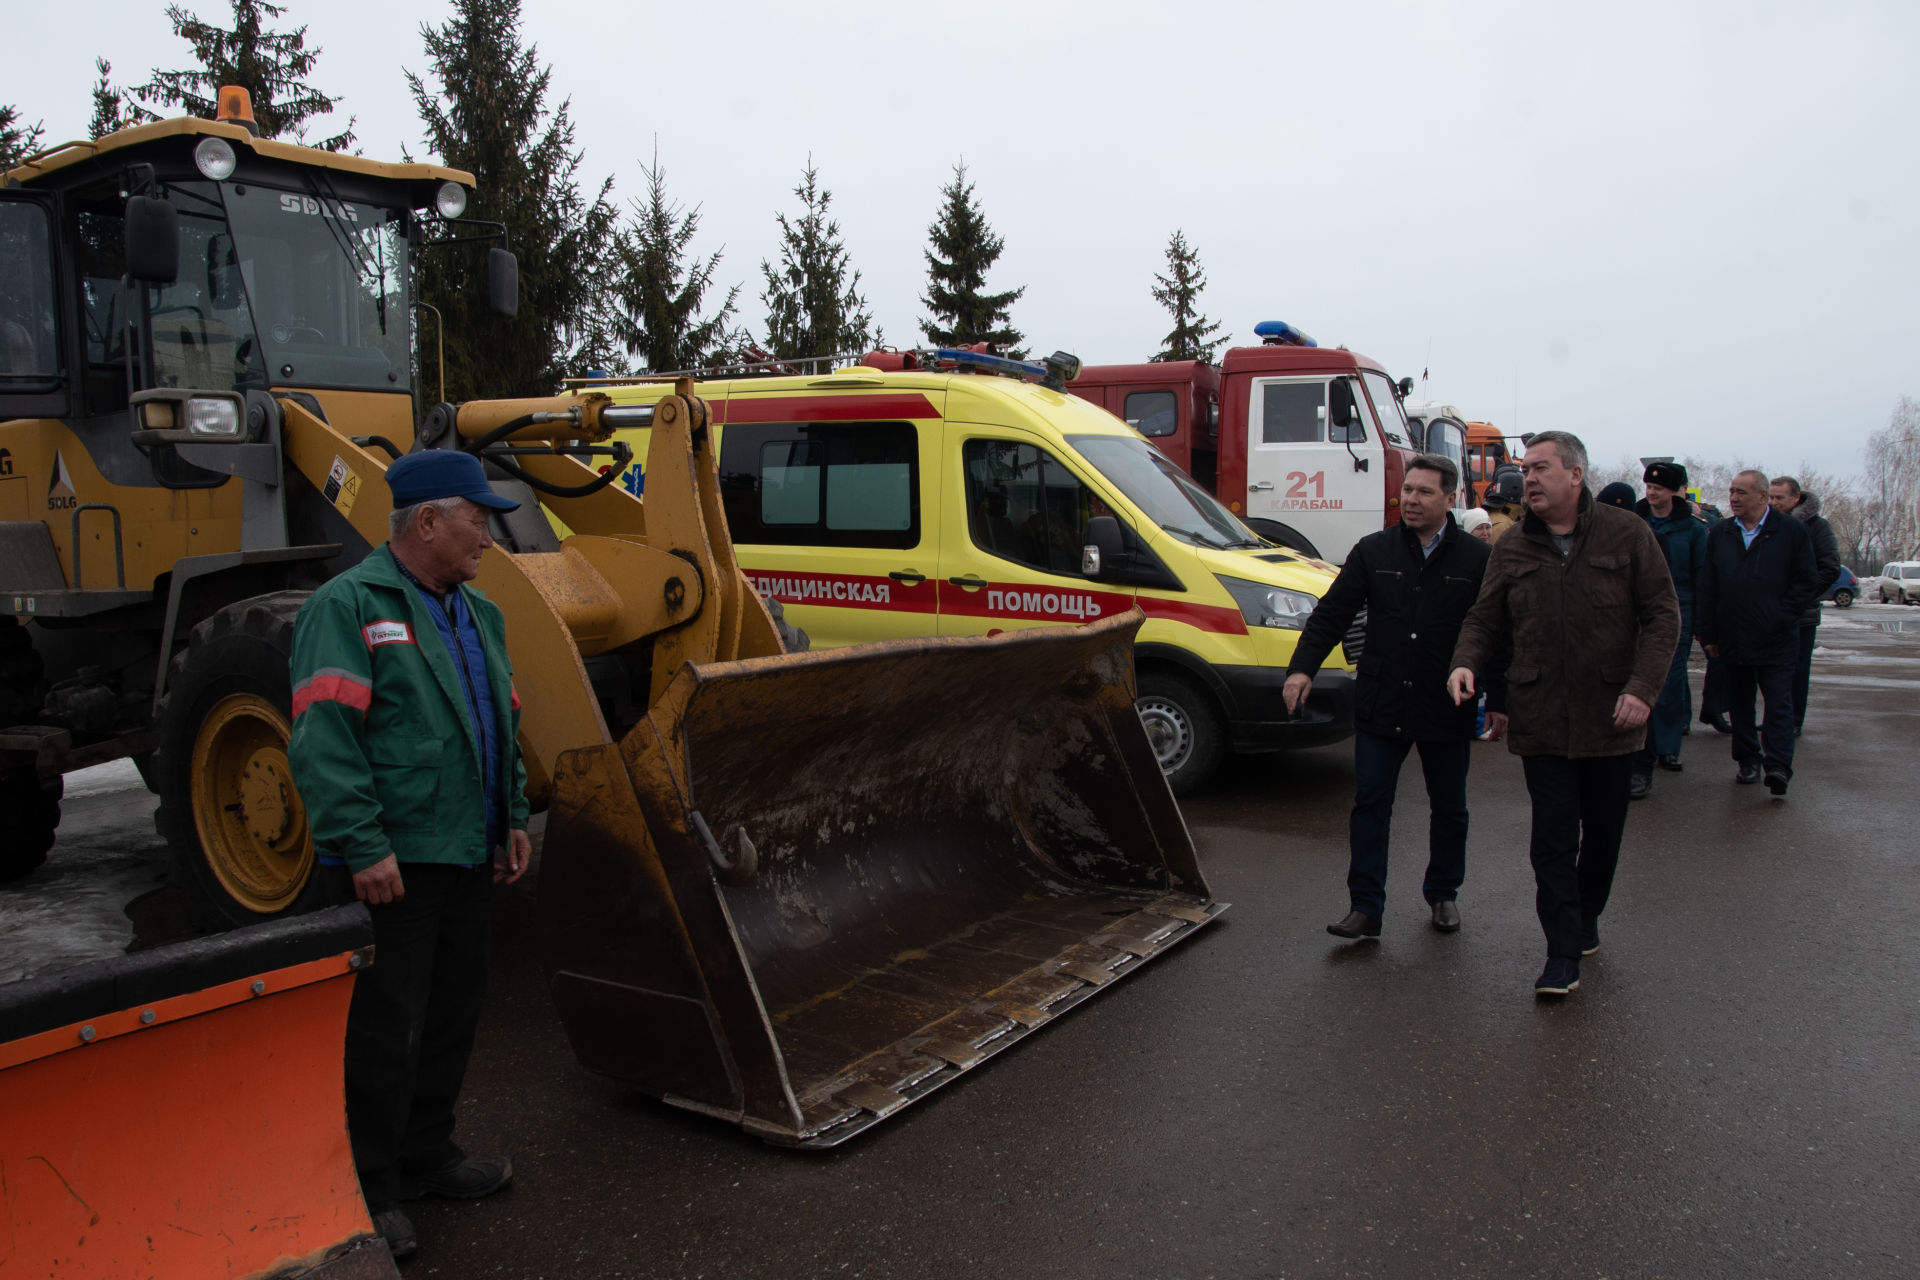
(342, 487)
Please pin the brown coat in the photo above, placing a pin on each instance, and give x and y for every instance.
(1498, 522)
(1586, 628)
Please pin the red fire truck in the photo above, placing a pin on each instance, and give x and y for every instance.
(1307, 444)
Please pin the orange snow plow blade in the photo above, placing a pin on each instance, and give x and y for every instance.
(182, 1112)
(807, 890)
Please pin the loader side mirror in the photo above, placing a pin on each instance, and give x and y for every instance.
(152, 240)
(1102, 552)
(503, 283)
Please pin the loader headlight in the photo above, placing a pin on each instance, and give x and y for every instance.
(214, 159)
(209, 417)
(451, 200)
(1265, 606)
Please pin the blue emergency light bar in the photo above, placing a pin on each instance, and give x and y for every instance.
(950, 358)
(1278, 333)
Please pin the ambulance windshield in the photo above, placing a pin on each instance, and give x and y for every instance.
(1163, 492)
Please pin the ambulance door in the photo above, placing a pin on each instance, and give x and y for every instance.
(838, 521)
(1308, 471)
(1014, 526)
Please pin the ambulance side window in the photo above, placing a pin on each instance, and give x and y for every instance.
(807, 484)
(1023, 506)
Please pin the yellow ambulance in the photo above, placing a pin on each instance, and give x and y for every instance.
(956, 493)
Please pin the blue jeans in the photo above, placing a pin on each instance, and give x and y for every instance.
(1376, 770)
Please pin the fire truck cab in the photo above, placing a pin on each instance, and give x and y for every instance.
(1312, 442)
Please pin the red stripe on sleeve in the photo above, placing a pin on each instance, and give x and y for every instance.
(342, 689)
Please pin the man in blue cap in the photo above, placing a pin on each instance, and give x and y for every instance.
(405, 724)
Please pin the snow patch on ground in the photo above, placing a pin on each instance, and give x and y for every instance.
(115, 775)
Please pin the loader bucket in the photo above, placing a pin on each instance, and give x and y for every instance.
(809, 889)
(182, 1111)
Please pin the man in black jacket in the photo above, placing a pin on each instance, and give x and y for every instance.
(1760, 576)
(1789, 499)
(1416, 580)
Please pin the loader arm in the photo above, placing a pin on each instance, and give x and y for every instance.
(633, 575)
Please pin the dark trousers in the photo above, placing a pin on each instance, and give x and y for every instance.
(1803, 673)
(1579, 815)
(1671, 712)
(1376, 770)
(410, 1027)
(1772, 742)
(1713, 691)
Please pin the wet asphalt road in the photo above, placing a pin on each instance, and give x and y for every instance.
(1732, 1091)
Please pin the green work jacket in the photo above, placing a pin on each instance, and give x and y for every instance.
(383, 749)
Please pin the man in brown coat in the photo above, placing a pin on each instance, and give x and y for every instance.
(1584, 592)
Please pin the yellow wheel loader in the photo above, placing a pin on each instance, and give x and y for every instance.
(796, 891)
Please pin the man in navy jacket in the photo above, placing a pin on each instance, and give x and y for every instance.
(1760, 576)
(1416, 580)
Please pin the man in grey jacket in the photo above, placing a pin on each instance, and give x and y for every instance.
(1788, 498)
(1584, 591)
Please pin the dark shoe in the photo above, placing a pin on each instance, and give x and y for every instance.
(1749, 772)
(1670, 763)
(470, 1179)
(1357, 925)
(1639, 786)
(1777, 783)
(1589, 937)
(1559, 977)
(1446, 916)
(397, 1230)
(1720, 723)
(1686, 730)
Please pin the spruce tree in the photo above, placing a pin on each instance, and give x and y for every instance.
(272, 66)
(963, 248)
(814, 307)
(110, 108)
(18, 140)
(661, 290)
(1179, 292)
(487, 114)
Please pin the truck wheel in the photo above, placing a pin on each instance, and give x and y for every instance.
(1843, 598)
(1285, 535)
(31, 808)
(1186, 729)
(234, 824)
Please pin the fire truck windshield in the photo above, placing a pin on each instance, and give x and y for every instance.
(1163, 492)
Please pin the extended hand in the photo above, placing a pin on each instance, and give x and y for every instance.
(1629, 712)
(1460, 685)
(1294, 692)
(510, 863)
(380, 883)
(1713, 650)
(1496, 725)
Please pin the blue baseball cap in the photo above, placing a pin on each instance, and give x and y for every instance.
(442, 473)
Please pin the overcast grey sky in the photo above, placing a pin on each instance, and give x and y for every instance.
(1672, 228)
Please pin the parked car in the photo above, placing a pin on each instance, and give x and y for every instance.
(1844, 588)
(1900, 583)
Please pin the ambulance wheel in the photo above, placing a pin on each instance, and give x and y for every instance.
(1285, 535)
(235, 827)
(30, 807)
(792, 638)
(1188, 734)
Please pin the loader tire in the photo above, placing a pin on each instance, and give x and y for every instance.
(792, 638)
(22, 675)
(30, 808)
(1188, 733)
(235, 827)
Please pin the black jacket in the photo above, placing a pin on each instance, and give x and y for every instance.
(1414, 605)
(1826, 552)
(1751, 598)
